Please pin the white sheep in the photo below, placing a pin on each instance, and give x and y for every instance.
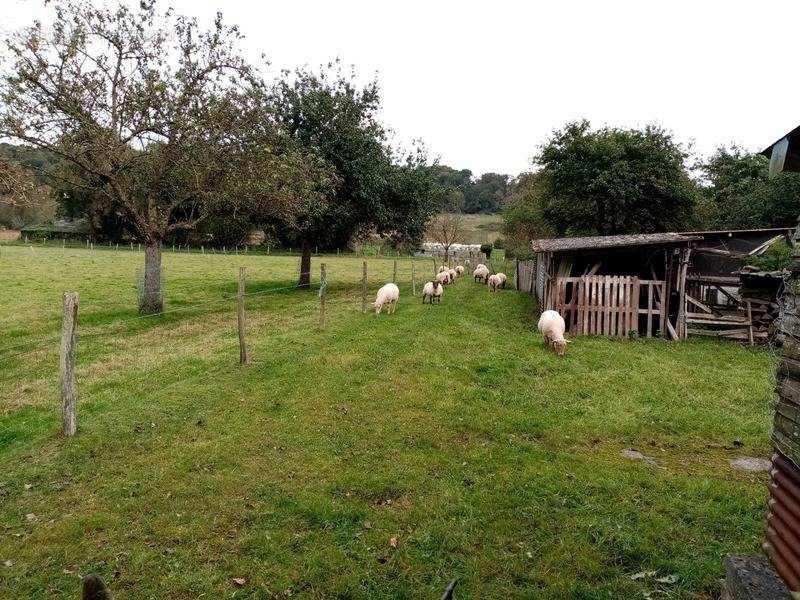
(481, 273)
(443, 277)
(503, 278)
(459, 270)
(481, 266)
(432, 290)
(494, 282)
(388, 294)
(453, 275)
(552, 327)
(443, 269)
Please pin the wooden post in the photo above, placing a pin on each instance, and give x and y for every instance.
(413, 280)
(323, 284)
(749, 323)
(435, 270)
(394, 272)
(267, 250)
(69, 318)
(203, 250)
(364, 289)
(140, 247)
(243, 358)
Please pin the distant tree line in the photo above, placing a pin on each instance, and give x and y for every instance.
(611, 181)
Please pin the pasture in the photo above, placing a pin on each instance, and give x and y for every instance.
(377, 458)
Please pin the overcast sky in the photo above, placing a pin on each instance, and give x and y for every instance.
(484, 83)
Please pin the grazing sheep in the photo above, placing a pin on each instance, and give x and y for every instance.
(443, 277)
(494, 282)
(503, 278)
(552, 327)
(388, 294)
(453, 275)
(481, 273)
(442, 269)
(459, 270)
(432, 290)
(481, 266)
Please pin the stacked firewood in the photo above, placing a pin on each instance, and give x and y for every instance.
(761, 289)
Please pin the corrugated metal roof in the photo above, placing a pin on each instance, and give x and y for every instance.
(610, 241)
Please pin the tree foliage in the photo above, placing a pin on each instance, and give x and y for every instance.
(150, 115)
(523, 215)
(614, 181)
(375, 189)
(740, 193)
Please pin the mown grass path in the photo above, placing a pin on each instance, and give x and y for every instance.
(445, 431)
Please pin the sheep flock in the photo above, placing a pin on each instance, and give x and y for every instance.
(551, 324)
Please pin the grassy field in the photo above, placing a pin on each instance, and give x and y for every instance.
(482, 229)
(378, 458)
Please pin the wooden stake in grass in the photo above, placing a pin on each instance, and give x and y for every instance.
(364, 290)
(323, 284)
(243, 358)
(394, 272)
(69, 320)
(413, 280)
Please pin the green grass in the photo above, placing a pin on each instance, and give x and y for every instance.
(481, 229)
(448, 428)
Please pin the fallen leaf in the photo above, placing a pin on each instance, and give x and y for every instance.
(239, 581)
(30, 517)
(643, 574)
(367, 525)
(668, 579)
(8, 563)
(393, 542)
(28, 486)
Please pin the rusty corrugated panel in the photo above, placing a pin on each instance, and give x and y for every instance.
(783, 520)
(782, 567)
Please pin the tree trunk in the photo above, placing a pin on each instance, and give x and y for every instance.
(305, 265)
(447, 255)
(151, 300)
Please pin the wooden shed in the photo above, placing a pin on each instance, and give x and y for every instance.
(613, 285)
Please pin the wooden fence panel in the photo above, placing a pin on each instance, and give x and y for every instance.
(610, 305)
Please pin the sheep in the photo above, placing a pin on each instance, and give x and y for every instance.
(432, 290)
(442, 269)
(481, 266)
(503, 278)
(443, 277)
(459, 270)
(388, 294)
(552, 327)
(494, 282)
(481, 273)
(453, 275)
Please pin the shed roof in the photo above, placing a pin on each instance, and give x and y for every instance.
(610, 241)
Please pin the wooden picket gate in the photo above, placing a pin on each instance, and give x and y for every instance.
(610, 305)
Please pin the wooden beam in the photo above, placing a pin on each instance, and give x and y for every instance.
(757, 251)
(699, 304)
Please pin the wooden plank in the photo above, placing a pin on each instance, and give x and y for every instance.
(714, 279)
(594, 269)
(710, 321)
(607, 305)
(635, 300)
(763, 247)
(650, 309)
(671, 330)
(69, 323)
(614, 300)
(699, 304)
(750, 323)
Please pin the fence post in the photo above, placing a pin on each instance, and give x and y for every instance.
(413, 280)
(323, 284)
(435, 269)
(364, 289)
(394, 272)
(243, 359)
(69, 316)
(203, 250)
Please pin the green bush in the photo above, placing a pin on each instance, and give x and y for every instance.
(500, 243)
(776, 258)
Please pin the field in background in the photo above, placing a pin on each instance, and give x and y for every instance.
(482, 229)
(378, 458)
